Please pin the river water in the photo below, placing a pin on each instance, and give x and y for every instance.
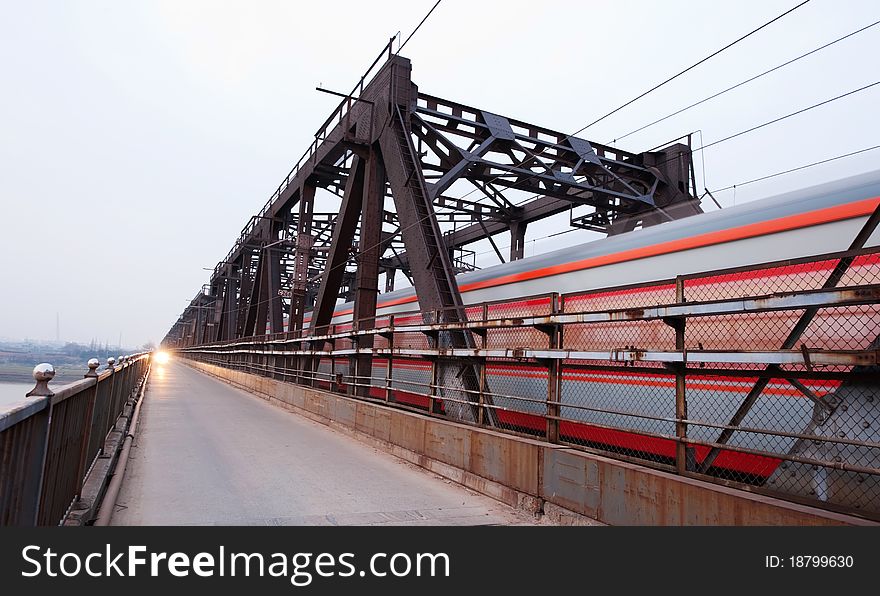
(13, 392)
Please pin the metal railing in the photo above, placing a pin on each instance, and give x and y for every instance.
(764, 377)
(50, 441)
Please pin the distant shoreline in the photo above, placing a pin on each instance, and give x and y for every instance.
(27, 378)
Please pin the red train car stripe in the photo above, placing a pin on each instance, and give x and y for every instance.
(746, 463)
(792, 222)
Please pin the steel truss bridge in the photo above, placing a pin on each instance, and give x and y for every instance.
(398, 161)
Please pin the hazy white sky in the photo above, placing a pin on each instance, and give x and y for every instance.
(138, 137)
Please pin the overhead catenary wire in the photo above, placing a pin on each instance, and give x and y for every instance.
(746, 81)
(798, 168)
(690, 68)
(785, 117)
(704, 146)
(649, 91)
(422, 22)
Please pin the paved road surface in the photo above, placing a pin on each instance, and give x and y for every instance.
(207, 453)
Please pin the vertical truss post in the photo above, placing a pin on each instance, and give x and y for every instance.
(343, 235)
(337, 258)
(276, 306)
(302, 256)
(214, 323)
(259, 304)
(198, 324)
(428, 258)
(367, 277)
(230, 307)
(299, 283)
(244, 292)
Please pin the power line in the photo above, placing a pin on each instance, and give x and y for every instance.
(749, 80)
(759, 126)
(422, 22)
(691, 67)
(775, 120)
(803, 167)
(535, 156)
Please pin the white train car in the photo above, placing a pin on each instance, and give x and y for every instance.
(813, 221)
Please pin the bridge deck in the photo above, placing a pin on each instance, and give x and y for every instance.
(207, 453)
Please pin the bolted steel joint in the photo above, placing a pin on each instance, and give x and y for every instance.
(94, 363)
(43, 373)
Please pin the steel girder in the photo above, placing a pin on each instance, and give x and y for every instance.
(394, 142)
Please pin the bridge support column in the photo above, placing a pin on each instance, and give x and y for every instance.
(276, 306)
(367, 279)
(244, 291)
(302, 254)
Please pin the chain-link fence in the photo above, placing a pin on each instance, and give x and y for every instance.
(764, 376)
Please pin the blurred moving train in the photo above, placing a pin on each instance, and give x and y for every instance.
(813, 221)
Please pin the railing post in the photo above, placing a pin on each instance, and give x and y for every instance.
(435, 374)
(682, 451)
(389, 364)
(43, 373)
(93, 365)
(111, 402)
(482, 397)
(334, 380)
(354, 372)
(554, 376)
(87, 428)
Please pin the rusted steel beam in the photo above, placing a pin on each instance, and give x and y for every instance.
(273, 290)
(367, 277)
(244, 292)
(343, 234)
(302, 255)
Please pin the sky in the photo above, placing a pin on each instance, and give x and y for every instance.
(137, 138)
